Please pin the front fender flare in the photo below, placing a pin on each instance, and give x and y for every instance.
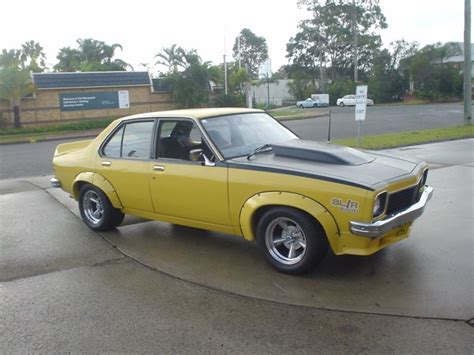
(98, 181)
(289, 199)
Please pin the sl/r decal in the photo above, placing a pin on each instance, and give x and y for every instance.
(349, 206)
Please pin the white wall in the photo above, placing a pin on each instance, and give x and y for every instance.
(278, 93)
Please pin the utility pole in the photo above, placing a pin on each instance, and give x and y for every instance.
(240, 55)
(355, 39)
(467, 63)
(225, 70)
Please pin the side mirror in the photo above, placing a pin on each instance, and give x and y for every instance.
(196, 155)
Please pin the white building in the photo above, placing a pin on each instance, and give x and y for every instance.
(276, 93)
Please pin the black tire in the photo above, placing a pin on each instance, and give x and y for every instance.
(300, 106)
(342, 104)
(304, 230)
(97, 211)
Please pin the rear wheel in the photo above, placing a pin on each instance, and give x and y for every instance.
(290, 240)
(97, 211)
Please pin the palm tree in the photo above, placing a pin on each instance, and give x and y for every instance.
(69, 60)
(14, 86)
(172, 57)
(32, 52)
(10, 59)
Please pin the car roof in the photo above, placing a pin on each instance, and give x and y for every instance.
(196, 113)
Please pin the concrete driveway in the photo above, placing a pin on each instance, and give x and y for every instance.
(154, 287)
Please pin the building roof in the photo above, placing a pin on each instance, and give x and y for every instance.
(458, 58)
(44, 81)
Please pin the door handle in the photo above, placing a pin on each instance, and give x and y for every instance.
(158, 168)
(106, 163)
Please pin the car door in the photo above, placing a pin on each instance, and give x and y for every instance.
(351, 100)
(124, 160)
(182, 188)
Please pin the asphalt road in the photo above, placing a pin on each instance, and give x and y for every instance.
(379, 119)
(19, 160)
(64, 288)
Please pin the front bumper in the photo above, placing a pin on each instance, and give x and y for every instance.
(379, 228)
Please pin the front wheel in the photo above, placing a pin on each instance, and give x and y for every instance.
(97, 211)
(341, 104)
(291, 241)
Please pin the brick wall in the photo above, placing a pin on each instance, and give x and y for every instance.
(43, 109)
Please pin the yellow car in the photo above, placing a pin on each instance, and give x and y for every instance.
(239, 171)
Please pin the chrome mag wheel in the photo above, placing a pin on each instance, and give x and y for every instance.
(285, 240)
(93, 207)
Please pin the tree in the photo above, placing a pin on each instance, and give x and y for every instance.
(69, 60)
(15, 84)
(190, 87)
(33, 56)
(253, 51)
(340, 35)
(172, 58)
(10, 58)
(91, 55)
(433, 79)
(386, 83)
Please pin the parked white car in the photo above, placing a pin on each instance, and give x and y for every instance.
(350, 100)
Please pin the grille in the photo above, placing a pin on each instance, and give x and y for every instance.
(401, 200)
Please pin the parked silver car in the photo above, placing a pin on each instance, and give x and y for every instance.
(309, 102)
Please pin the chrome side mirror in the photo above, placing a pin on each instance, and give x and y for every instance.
(207, 162)
(198, 155)
(195, 155)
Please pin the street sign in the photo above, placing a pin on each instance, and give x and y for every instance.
(361, 102)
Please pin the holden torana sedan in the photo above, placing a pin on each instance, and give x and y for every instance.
(241, 172)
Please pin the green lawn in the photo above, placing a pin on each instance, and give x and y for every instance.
(390, 140)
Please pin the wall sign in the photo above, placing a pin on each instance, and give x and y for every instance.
(79, 101)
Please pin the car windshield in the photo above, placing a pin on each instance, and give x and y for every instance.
(239, 135)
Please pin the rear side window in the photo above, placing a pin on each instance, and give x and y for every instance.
(133, 140)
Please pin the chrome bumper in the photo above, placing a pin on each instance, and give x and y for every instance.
(379, 228)
(55, 182)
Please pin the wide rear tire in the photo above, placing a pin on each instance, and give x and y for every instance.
(290, 240)
(97, 211)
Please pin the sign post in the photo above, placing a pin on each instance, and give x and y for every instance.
(360, 108)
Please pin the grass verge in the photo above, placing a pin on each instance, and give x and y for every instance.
(391, 140)
(67, 127)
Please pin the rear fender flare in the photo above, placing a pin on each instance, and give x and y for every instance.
(98, 181)
(288, 199)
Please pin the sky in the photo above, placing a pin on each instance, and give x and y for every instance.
(209, 26)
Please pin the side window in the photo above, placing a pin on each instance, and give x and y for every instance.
(176, 139)
(133, 140)
(113, 147)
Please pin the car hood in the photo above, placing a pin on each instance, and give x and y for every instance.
(365, 169)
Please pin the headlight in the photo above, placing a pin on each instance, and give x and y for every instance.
(379, 204)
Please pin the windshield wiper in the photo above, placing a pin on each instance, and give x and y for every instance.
(260, 149)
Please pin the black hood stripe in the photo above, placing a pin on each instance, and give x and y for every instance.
(297, 173)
